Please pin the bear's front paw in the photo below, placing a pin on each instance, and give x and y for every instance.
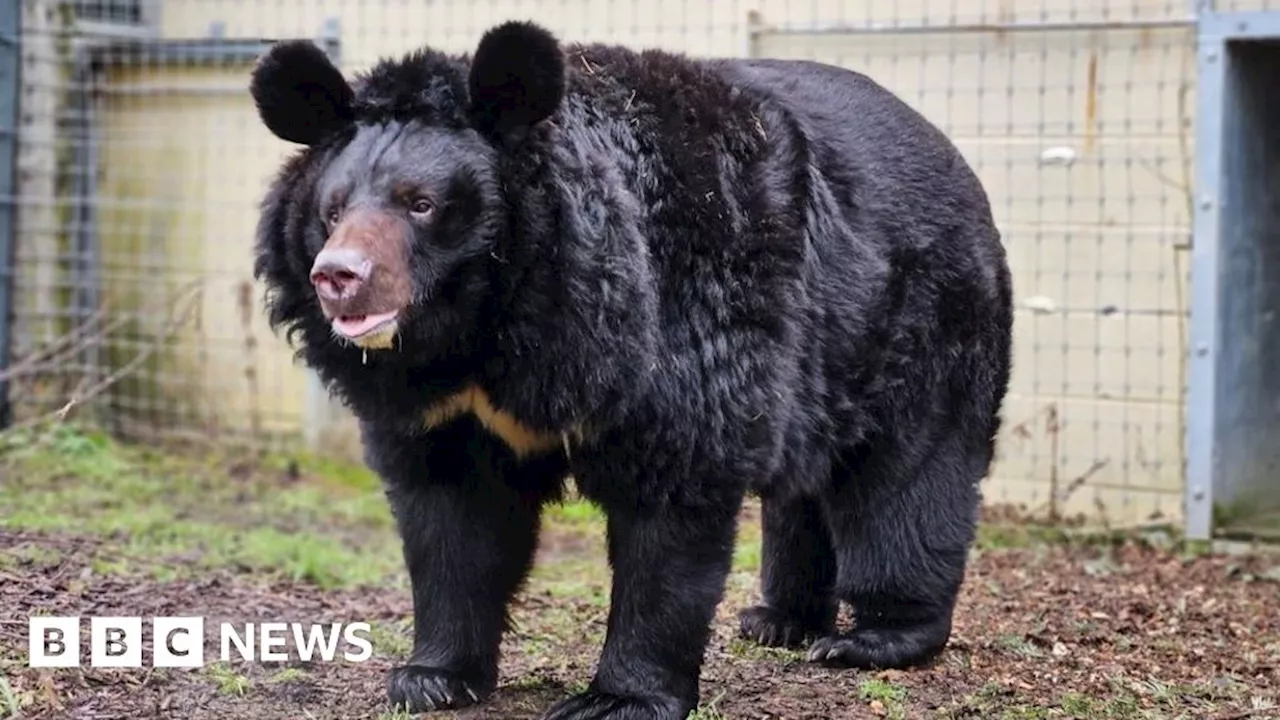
(593, 705)
(773, 628)
(417, 688)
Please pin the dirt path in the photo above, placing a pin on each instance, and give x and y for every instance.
(1041, 632)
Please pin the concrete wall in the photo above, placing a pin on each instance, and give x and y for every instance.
(1095, 241)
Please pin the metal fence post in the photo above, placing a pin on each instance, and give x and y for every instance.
(1203, 370)
(10, 59)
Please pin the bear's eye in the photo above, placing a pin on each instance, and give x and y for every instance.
(332, 215)
(420, 206)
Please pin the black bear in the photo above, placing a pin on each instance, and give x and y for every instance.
(676, 280)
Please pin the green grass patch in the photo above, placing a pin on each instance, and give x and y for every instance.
(1018, 645)
(391, 640)
(709, 710)
(1078, 705)
(338, 473)
(560, 626)
(746, 555)
(882, 690)
(890, 696)
(9, 705)
(1127, 699)
(167, 514)
(583, 578)
(29, 554)
(574, 513)
(749, 650)
(227, 680)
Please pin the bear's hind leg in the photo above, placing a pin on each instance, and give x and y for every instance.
(902, 520)
(797, 576)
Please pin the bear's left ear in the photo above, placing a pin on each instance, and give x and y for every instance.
(517, 79)
(301, 96)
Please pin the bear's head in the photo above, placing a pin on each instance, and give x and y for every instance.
(382, 229)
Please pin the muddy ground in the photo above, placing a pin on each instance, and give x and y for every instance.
(1044, 630)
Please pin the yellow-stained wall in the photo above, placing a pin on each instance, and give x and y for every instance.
(1096, 395)
(183, 163)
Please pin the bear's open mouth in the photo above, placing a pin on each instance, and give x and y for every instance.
(356, 326)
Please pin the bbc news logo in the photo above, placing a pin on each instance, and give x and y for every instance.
(179, 642)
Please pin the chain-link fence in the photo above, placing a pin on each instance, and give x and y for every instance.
(140, 162)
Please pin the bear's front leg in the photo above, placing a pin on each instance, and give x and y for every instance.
(669, 568)
(468, 512)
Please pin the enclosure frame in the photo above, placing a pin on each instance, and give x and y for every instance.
(10, 81)
(97, 47)
(1233, 405)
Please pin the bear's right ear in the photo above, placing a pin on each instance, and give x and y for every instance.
(301, 96)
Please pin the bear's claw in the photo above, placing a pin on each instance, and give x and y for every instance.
(417, 688)
(771, 628)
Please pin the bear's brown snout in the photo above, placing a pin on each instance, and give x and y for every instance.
(361, 275)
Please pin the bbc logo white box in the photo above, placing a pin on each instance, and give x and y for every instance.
(115, 641)
(53, 642)
(177, 642)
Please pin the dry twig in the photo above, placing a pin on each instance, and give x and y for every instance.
(65, 347)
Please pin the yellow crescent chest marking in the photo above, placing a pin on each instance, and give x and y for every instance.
(519, 437)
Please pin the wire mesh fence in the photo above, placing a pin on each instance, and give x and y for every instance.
(141, 162)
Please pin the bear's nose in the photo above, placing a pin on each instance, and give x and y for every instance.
(338, 273)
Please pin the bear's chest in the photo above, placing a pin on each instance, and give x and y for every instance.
(475, 402)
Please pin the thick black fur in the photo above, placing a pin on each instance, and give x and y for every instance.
(729, 276)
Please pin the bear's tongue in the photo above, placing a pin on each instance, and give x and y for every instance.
(356, 325)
